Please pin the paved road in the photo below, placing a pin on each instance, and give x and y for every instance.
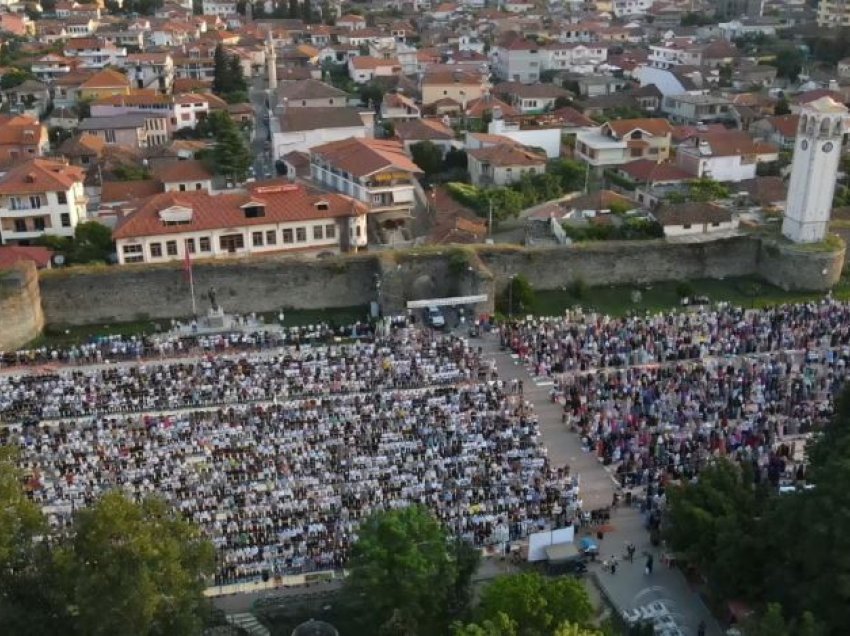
(629, 588)
(597, 486)
(263, 164)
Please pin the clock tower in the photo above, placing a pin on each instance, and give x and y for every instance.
(817, 150)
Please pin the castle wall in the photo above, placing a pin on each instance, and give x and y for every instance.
(21, 317)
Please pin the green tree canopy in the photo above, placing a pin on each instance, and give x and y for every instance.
(428, 156)
(231, 156)
(92, 242)
(537, 605)
(408, 574)
(135, 569)
(14, 77)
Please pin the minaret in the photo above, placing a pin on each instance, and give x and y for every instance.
(817, 151)
(271, 61)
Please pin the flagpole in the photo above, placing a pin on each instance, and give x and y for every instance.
(192, 291)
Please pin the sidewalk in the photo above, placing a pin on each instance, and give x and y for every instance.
(629, 588)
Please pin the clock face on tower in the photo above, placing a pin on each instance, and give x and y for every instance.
(827, 147)
(804, 145)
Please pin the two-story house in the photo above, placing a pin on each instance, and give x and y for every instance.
(461, 86)
(95, 53)
(780, 130)
(363, 68)
(275, 217)
(724, 156)
(299, 129)
(518, 60)
(38, 197)
(503, 164)
(104, 83)
(376, 172)
(151, 70)
(22, 137)
(697, 108)
(310, 93)
(620, 141)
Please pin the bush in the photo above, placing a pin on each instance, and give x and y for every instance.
(578, 288)
(517, 297)
(684, 289)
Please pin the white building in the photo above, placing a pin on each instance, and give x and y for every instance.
(580, 58)
(221, 8)
(41, 197)
(688, 219)
(299, 129)
(518, 61)
(376, 172)
(817, 151)
(271, 218)
(626, 8)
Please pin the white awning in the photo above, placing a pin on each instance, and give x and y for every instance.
(449, 301)
(403, 196)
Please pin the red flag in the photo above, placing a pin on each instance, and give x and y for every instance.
(187, 264)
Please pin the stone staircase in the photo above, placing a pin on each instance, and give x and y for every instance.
(248, 623)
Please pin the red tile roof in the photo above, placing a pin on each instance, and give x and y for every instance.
(283, 203)
(11, 254)
(40, 175)
(362, 157)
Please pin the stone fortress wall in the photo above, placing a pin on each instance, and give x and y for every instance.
(102, 295)
(21, 316)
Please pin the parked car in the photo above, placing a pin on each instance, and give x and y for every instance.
(434, 317)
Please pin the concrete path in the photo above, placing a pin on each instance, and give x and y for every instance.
(629, 588)
(564, 448)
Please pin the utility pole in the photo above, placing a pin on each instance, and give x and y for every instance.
(490, 219)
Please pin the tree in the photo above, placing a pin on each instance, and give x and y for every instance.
(771, 623)
(14, 77)
(428, 156)
(500, 625)
(782, 107)
(135, 569)
(455, 159)
(571, 173)
(705, 189)
(293, 9)
(406, 573)
(372, 94)
(306, 11)
(235, 76)
(231, 156)
(536, 604)
(221, 78)
(715, 523)
(789, 63)
(92, 243)
(30, 592)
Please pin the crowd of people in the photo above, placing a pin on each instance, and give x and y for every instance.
(580, 340)
(411, 360)
(280, 484)
(279, 443)
(118, 348)
(658, 396)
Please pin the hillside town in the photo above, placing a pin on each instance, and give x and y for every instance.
(420, 318)
(336, 128)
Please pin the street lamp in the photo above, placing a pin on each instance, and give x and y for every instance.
(511, 296)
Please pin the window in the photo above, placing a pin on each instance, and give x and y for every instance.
(317, 232)
(110, 136)
(171, 248)
(182, 187)
(255, 212)
(65, 219)
(204, 243)
(636, 152)
(190, 245)
(715, 224)
(271, 237)
(20, 225)
(133, 254)
(198, 186)
(156, 250)
(301, 234)
(358, 231)
(287, 236)
(257, 239)
(686, 226)
(61, 197)
(35, 201)
(39, 223)
(330, 231)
